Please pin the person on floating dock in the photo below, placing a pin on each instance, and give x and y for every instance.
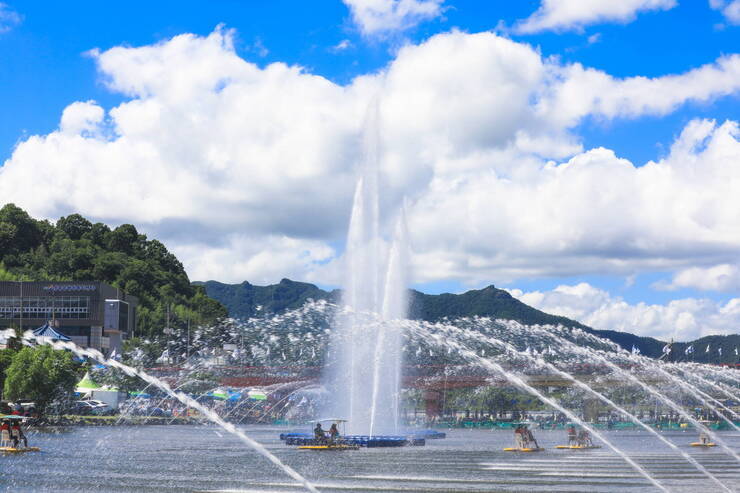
(333, 432)
(318, 433)
(529, 438)
(519, 436)
(5, 434)
(572, 435)
(703, 438)
(584, 439)
(18, 434)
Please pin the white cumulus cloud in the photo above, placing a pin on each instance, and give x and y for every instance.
(9, 18)
(722, 277)
(576, 91)
(81, 117)
(593, 213)
(376, 17)
(730, 9)
(681, 320)
(226, 162)
(575, 14)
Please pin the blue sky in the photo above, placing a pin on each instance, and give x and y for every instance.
(53, 55)
(45, 67)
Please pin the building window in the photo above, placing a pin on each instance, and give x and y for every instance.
(45, 307)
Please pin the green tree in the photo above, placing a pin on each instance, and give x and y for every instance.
(7, 236)
(41, 374)
(6, 358)
(74, 225)
(27, 234)
(124, 238)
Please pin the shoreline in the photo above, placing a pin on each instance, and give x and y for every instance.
(67, 420)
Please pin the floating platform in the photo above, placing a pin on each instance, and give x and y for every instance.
(699, 444)
(304, 439)
(577, 447)
(20, 450)
(407, 434)
(527, 449)
(426, 434)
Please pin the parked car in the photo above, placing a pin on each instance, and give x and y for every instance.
(145, 410)
(159, 412)
(91, 407)
(81, 408)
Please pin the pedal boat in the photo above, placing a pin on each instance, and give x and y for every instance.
(19, 450)
(338, 444)
(526, 449)
(331, 446)
(699, 444)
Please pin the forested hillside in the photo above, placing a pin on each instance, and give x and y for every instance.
(75, 249)
(242, 301)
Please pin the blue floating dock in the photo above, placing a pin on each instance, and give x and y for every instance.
(427, 434)
(302, 439)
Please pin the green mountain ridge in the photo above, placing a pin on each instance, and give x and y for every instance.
(246, 300)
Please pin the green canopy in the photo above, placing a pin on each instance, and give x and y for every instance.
(257, 395)
(220, 394)
(87, 384)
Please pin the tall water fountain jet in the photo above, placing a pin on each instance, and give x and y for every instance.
(365, 375)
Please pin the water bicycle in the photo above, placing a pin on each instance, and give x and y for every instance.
(334, 441)
(524, 438)
(331, 446)
(18, 450)
(5, 439)
(310, 441)
(703, 438)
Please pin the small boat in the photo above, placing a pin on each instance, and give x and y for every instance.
(700, 444)
(526, 449)
(337, 444)
(5, 438)
(577, 447)
(18, 450)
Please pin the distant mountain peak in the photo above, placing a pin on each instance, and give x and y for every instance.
(242, 300)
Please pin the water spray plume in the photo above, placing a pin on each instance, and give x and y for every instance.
(435, 338)
(649, 363)
(29, 337)
(511, 350)
(365, 375)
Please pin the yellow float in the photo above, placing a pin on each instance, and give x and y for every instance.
(19, 450)
(528, 449)
(336, 446)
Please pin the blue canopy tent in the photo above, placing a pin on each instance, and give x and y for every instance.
(47, 330)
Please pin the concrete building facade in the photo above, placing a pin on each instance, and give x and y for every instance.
(91, 313)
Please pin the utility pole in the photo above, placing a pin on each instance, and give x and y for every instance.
(21, 314)
(187, 350)
(168, 331)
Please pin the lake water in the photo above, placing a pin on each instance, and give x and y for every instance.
(203, 458)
